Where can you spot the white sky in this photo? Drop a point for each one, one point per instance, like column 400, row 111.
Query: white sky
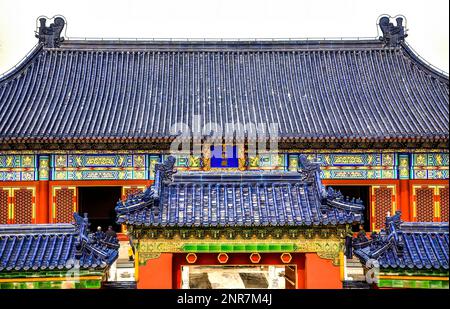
column 427, row 21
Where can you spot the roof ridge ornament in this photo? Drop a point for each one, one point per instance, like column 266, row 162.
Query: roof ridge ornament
column 388, row 238
column 166, row 169
column 50, row 36
column 308, row 170
column 99, row 245
column 392, row 35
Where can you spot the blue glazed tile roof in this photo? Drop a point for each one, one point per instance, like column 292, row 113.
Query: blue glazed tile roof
column 239, row 199
column 409, row 245
column 314, row 90
column 54, row 247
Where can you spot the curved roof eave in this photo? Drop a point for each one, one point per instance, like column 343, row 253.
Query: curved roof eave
column 435, row 72
column 22, row 64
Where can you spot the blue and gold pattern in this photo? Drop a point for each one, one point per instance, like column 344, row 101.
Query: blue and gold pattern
column 18, row 167
column 99, row 166
column 268, row 162
column 430, row 166
column 352, row 165
column 44, row 167
column 185, row 162
column 117, row 166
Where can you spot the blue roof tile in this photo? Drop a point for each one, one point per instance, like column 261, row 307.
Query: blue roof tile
column 313, row 90
column 193, row 199
column 411, row 245
column 54, row 246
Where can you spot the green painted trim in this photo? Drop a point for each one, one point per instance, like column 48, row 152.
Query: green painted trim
column 84, row 284
column 413, row 284
column 45, row 274
column 415, row 272
column 238, row 247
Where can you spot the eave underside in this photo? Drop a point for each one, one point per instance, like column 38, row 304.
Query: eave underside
column 164, row 144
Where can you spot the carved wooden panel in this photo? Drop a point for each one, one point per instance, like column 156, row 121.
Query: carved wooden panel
column 425, row 204
column 64, row 204
column 4, row 206
column 383, row 202
column 444, row 203
column 23, row 201
column 127, row 190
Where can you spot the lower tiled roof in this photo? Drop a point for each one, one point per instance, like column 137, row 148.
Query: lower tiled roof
column 409, row 245
column 240, row 199
column 54, row 247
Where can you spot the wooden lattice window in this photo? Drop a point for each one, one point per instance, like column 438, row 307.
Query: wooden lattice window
column 430, row 203
column 23, row 202
column 127, row 190
column 424, row 204
column 4, row 206
column 444, row 203
column 131, row 190
column 64, row 204
column 383, row 202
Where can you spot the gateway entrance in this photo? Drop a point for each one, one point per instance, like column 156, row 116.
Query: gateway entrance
column 99, row 203
column 236, row 277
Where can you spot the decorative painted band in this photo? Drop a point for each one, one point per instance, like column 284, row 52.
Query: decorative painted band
column 137, row 165
column 236, row 247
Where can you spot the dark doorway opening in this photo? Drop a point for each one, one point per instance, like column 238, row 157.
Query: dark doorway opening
column 99, row 204
column 362, row 192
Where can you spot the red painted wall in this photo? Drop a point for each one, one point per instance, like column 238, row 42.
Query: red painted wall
column 157, row 273
column 321, row 273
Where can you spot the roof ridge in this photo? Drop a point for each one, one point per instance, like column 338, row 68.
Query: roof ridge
column 20, row 229
column 221, row 45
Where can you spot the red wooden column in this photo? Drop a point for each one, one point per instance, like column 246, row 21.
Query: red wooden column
column 404, row 200
column 42, row 206
column 321, row 273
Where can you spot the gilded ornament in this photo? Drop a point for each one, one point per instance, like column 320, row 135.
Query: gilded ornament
column 27, row 161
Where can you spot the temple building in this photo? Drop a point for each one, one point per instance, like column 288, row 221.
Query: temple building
column 84, row 123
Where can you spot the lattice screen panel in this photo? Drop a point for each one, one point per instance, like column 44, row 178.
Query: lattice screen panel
column 127, row 190
column 425, row 204
column 4, row 194
column 382, row 203
column 64, row 205
column 131, row 190
column 23, row 206
column 444, row 201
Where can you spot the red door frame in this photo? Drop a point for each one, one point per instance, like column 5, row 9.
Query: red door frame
column 89, row 183
column 37, row 197
column 423, row 182
column 238, row 259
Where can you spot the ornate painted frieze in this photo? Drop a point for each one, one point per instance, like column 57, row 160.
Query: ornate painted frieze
column 404, row 166
column 152, row 160
column 18, row 167
column 44, row 167
column 268, row 162
column 77, row 165
column 430, row 166
column 184, row 162
column 99, row 166
column 326, row 248
column 352, row 165
column 326, row 242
